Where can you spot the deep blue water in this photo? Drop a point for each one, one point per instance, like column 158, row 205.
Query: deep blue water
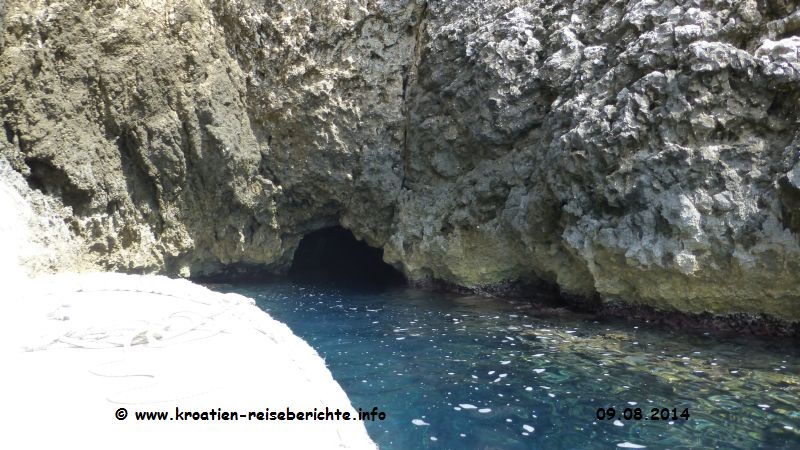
column 466, row 372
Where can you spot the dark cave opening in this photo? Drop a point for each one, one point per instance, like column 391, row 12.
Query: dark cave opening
column 334, row 256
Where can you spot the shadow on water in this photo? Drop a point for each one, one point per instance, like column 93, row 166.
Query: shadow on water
column 455, row 371
column 467, row 371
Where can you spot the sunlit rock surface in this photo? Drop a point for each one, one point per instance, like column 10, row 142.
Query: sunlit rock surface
column 641, row 151
column 78, row 347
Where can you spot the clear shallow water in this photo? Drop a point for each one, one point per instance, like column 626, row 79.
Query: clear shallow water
column 536, row 381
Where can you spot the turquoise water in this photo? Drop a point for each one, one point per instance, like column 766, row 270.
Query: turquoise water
column 466, row 372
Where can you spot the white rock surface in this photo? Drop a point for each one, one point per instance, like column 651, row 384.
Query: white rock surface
column 76, row 348
column 12, row 230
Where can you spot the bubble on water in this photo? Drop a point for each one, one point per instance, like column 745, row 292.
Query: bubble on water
column 419, row 422
column 505, row 362
column 539, row 370
column 618, row 423
column 434, row 439
column 528, row 388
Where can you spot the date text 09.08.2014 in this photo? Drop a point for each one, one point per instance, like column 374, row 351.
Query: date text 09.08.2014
column 638, row 414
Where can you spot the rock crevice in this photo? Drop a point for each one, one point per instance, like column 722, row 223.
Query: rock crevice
column 637, row 151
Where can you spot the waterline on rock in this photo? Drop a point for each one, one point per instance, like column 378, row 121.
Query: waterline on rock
column 466, row 370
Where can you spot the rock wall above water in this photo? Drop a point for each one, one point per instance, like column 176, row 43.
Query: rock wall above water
column 639, row 151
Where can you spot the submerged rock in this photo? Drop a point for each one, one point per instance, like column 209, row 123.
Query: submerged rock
column 643, row 152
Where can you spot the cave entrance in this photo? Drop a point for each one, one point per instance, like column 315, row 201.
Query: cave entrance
column 334, row 256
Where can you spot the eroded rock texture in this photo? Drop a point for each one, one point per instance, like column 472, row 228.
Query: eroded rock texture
column 644, row 151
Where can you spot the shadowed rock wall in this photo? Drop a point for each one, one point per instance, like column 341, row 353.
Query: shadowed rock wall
column 639, row 151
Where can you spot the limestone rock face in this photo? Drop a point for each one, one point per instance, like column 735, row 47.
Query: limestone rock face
column 642, row 151
column 95, row 342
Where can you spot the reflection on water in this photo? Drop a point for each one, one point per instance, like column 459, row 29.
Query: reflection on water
column 469, row 372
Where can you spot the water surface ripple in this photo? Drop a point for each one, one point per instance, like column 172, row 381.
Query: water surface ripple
column 466, row 372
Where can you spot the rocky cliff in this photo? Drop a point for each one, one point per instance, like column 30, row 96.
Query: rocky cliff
column 639, row 151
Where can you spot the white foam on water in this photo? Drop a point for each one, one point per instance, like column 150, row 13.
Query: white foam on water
column 629, row 445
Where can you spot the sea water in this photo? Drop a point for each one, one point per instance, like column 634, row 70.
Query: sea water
column 469, row 372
